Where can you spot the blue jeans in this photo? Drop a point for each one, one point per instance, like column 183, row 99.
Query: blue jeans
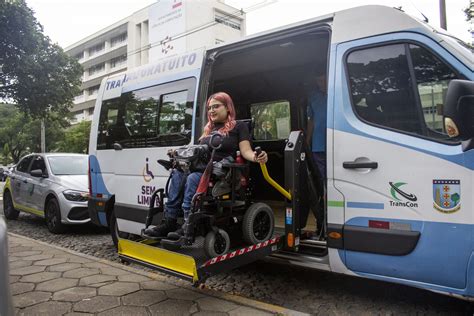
column 180, row 193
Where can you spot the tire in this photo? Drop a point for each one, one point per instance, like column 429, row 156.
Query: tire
column 114, row 231
column 216, row 244
column 52, row 214
column 8, row 208
column 258, row 223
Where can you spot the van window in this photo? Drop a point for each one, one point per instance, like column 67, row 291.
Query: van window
column 151, row 117
column 272, row 120
column 383, row 93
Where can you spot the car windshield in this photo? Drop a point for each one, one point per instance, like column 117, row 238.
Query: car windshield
column 68, row 165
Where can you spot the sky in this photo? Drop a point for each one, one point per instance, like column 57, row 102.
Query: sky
column 68, row 21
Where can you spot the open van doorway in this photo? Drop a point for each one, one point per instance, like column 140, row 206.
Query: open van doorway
column 271, row 80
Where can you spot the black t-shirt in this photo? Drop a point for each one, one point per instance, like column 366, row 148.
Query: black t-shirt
column 230, row 143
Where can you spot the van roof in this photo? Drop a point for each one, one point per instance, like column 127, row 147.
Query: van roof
column 383, row 20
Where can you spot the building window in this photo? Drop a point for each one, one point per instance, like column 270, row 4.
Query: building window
column 227, row 20
column 79, row 56
column 96, row 69
column 93, row 90
column 118, row 61
column 96, row 49
column 118, row 39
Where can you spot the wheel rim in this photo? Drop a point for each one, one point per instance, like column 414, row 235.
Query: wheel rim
column 261, row 225
column 220, row 244
column 52, row 218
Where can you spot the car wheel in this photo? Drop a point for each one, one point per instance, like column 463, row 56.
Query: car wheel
column 115, row 232
column 258, row 223
column 52, row 215
column 8, row 208
column 216, row 243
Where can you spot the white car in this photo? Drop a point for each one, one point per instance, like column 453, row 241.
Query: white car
column 51, row 185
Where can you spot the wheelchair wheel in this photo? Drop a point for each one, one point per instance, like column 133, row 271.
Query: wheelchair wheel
column 216, row 243
column 258, row 223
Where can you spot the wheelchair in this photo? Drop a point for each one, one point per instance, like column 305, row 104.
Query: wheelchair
column 222, row 211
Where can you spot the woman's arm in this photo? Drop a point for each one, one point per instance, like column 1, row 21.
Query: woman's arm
column 247, row 152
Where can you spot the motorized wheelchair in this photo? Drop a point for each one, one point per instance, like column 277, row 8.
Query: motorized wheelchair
column 222, row 211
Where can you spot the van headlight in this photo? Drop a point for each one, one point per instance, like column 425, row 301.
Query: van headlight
column 76, row 196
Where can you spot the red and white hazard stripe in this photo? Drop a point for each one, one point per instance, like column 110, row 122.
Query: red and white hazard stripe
column 241, row 251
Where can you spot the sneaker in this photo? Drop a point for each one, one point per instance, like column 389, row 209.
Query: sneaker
column 167, row 226
column 176, row 234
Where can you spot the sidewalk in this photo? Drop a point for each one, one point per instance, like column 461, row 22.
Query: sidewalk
column 48, row 280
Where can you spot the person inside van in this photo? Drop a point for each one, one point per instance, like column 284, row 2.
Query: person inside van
column 221, row 119
column 316, row 128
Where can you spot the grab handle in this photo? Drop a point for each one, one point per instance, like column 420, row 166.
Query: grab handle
column 269, row 179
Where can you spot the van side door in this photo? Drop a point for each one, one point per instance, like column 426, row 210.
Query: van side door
column 407, row 190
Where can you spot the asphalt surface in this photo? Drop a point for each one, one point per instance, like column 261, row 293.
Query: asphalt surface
column 309, row 291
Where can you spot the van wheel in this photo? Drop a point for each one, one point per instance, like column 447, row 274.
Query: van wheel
column 258, row 223
column 52, row 214
column 115, row 232
column 216, row 243
column 8, row 208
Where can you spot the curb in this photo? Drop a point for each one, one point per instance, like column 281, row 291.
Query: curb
column 225, row 296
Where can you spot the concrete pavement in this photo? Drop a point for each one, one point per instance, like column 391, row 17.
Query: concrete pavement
column 48, row 280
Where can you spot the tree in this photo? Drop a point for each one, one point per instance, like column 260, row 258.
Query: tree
column 455, row 198
column 20, row 133
column 36, row 75
column 76, row 138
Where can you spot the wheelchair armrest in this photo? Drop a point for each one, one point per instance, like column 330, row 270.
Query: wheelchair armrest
column 165, row 163
column 235, row 165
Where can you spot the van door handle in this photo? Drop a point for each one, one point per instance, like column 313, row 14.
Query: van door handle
column 117, row 146
column 360, row 164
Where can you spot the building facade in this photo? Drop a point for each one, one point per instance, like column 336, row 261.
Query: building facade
column 163, row 29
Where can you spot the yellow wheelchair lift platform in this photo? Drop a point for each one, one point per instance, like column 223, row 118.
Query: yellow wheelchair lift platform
column 190, row 262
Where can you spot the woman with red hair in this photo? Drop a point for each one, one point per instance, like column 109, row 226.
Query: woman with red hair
column 221, row 119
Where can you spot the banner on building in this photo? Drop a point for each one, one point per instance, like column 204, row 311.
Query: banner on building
column 167, row 24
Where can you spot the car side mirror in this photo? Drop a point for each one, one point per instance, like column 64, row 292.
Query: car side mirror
column 38, row 173
column 458, row 112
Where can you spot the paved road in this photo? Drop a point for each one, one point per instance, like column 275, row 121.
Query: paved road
column 295, row 288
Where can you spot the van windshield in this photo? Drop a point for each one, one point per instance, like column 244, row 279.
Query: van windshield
column 68, row 165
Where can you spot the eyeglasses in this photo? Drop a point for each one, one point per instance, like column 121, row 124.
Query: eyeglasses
column 214, row 106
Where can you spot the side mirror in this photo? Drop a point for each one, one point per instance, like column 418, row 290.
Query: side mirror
column 37, row 173
column 458, row 111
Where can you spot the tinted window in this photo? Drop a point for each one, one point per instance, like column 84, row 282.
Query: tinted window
column 151, row 117
column 271, row 120
column 432, row 79
column 24, row 164
column 399, row 86
column 38, row 164
column 68, row 165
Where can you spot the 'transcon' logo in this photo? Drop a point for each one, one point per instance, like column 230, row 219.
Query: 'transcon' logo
column 395, row 191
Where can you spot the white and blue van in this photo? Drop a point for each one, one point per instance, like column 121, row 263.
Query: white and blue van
column 398, row 204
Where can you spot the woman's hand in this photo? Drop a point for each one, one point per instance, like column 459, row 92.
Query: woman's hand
column 262, row 158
